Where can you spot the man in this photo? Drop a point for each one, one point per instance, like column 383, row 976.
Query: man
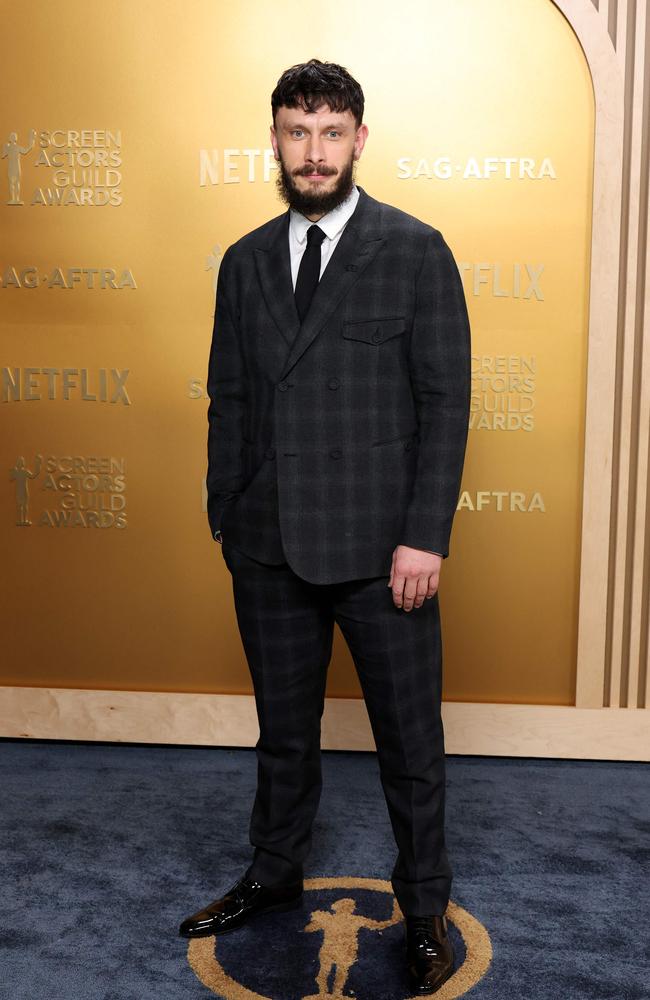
column 339, row 380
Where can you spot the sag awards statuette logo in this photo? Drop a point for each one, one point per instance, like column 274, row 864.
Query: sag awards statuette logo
column 71, row 167
column 213, row 263
column 73, row 491
column 334, row 922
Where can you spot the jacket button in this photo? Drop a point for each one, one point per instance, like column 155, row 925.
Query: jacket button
column 283, row 386
column 333, row 383
column 270, row 452
column 376, row 337
column 408, row 445
column 335, row 453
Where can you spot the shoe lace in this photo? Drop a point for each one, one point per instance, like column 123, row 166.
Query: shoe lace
column 242, row 887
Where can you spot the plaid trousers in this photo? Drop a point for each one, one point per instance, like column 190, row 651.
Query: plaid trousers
column 286, row 625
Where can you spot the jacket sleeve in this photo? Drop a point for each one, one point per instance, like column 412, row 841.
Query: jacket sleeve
column 226, row 387
column 440, row 371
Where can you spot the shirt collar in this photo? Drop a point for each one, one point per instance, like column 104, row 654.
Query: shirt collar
column 332, row 223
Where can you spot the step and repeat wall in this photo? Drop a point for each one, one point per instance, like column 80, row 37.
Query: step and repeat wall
column 134, row 150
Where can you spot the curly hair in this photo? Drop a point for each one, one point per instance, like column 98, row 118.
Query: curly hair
column 310, row 84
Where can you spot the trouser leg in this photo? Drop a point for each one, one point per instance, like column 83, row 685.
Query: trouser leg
column 398, row 657
column 286, row 626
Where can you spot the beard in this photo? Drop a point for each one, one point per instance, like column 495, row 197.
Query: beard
column 315, row 202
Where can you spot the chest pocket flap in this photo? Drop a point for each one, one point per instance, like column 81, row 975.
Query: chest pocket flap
column 375, row 331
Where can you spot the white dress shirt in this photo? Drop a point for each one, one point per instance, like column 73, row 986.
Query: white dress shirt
column 332, row 224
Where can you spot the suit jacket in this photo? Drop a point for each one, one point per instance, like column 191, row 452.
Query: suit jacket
column 331, row 442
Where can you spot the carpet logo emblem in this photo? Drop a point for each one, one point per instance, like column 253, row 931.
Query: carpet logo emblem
column 337, row 926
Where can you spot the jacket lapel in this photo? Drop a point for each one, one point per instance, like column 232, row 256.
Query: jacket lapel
column 358, row 245
column 274, row 271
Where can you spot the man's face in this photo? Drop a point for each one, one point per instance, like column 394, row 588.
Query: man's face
column 316, row 152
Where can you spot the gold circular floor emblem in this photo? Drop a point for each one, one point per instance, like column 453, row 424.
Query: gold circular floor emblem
column 340, row 925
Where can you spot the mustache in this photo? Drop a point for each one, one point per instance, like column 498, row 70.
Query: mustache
column 306, row 171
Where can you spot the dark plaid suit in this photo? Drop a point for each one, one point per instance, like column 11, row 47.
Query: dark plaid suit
column 330, row 443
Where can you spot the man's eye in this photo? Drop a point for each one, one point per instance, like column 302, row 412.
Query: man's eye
column 296, row 130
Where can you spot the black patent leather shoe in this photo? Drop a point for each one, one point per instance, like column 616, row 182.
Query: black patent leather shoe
column 430, row 956
column 246, row 899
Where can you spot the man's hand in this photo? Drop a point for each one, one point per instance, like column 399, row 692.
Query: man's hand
column 414, row 575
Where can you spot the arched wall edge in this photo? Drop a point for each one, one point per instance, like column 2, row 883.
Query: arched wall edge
column 591, row 29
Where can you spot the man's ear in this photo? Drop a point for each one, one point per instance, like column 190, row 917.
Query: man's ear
column 360, row 140
column 274, row 141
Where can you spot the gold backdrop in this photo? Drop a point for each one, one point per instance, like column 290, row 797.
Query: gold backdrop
column 136, row 148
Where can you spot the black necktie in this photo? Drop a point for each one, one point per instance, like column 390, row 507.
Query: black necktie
column 309, row 271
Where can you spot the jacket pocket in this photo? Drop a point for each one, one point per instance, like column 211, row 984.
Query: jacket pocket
column 405, row 438
column 375, row 331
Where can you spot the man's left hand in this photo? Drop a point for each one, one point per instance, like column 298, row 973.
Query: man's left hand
column 414, row 576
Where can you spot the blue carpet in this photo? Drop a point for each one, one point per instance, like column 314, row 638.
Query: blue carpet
column 105, row 848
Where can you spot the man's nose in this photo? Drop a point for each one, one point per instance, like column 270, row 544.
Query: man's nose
column 315, row 152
